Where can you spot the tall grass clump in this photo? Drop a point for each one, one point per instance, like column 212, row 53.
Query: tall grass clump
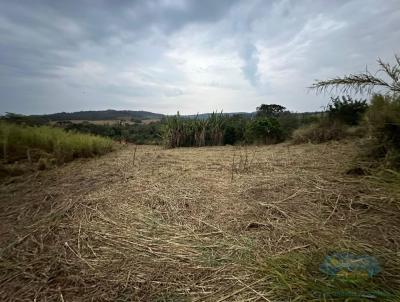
column 188, row 132
column 320, row 132
column 32, row 143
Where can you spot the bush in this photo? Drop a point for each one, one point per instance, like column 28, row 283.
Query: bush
column 320, row 132
column 33, row 143
column 264, row 130
column 235, row 127
column 335, row 125
column 289, row 122
column 230, row 135
column 347, row 110
column 383, row 121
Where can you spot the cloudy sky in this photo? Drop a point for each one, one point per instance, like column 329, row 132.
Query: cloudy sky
column 193, row 56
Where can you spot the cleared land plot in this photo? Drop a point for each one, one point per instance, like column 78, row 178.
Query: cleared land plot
column 194, row 224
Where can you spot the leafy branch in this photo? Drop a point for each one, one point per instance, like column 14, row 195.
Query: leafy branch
column 364, row 82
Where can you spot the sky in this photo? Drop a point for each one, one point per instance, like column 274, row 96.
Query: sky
column 187, row 55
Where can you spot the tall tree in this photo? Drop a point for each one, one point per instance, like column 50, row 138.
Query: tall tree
column 272, row 110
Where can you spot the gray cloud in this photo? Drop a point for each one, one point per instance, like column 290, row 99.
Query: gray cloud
column 250, row 69
column 169, row 55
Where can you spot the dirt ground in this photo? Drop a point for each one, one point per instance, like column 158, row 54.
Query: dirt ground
column 191, row 224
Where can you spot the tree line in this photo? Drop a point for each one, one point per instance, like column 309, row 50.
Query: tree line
column 270, row 124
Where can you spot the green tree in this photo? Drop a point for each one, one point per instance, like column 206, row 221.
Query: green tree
column 272, row 110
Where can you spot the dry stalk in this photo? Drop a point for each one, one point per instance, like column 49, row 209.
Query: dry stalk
column 85, row 231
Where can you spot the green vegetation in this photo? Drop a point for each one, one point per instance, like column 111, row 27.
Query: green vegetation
column 265, row 130
column 235, row 127
column 382, row 118
column 320, row 132
column 347, row 110
column 46, row 144
column 272, row 110
column 339, row 122
column 138, row 133
column 133, row 130
column 296, row 277
column 219, row 129
column 185, row 132
column 383, row 122
column 269, row 125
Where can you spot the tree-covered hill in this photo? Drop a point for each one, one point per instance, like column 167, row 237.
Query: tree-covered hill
column 102, row 115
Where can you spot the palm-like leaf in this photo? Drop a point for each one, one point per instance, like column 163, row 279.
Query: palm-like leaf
column 365, row 82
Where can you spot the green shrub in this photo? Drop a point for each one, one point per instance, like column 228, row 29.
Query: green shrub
column 383, row 122
column 289, row 122
column 347, row 110
column 266, row 130
column 230, row 135
column 235, row 127
column 32, row 143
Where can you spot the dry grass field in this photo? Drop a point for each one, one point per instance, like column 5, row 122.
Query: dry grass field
column 195, row 224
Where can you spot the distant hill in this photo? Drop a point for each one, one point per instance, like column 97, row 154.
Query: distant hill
column 101, row 115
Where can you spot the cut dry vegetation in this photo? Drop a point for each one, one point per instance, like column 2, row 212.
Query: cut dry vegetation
column 196, row 224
